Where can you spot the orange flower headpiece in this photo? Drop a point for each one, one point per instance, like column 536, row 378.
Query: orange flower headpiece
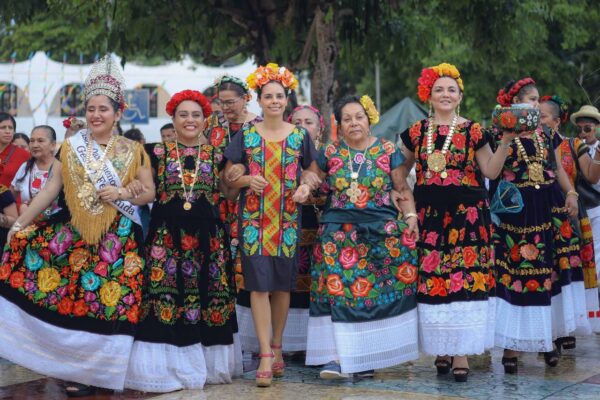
column 507, row 93
column 432, row 74
column 192, row 95
column 271, row 72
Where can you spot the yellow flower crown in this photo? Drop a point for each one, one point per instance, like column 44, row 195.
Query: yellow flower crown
column 271, row 72
column 370, row 109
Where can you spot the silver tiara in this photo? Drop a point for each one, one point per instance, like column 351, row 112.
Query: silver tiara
column 105, row 78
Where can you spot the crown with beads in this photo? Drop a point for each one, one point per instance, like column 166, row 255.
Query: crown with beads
column 105, row 78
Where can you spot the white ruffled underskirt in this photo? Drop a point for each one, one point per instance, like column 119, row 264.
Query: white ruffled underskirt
column 363, row 346
column 160, row 367
column 458, row 328
column 294, row 334
column 70, row 355
column 576, row 308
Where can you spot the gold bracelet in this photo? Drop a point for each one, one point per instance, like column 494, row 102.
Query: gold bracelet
column 574, row 193
column 409, row 215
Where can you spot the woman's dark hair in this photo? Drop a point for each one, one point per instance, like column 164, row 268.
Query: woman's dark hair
column 114, row 104
column 555, row 108
column 20, row 135
column 522, row 92
column 167, row 126
column 4, row 116
column 51, row 135
column 234, row 87
column 259, row 89
column 348, row 99
column 134, row 134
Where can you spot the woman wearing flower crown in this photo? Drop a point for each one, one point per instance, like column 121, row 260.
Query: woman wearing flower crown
column 536, row 252
column 452, row 155
column 362, row 306
column 579, row 167
column 234, row 95
column 71, row 288
column 294, row 335
column 275, row 152
column 185, row 335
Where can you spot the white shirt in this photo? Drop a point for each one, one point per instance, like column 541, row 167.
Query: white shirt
column 594, row 212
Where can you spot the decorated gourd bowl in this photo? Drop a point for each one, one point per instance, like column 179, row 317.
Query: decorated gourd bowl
column 518, row 118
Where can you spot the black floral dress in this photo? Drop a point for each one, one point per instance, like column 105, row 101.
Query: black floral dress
column 455, row 254
column 537, row 255
column 188, row 315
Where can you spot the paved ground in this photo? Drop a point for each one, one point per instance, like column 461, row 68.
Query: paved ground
column 576, row 377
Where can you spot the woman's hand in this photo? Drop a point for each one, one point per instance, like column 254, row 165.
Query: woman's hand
column 571, row 205
column 412, row 229
column 257, row 184
column 136, row 188
column 301, row 194
column 396, row 199
column 108, row 194
column 310, row 178
column 235, row 172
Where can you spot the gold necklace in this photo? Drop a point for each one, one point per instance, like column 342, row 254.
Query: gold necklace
column 93, row 166
column 535, row 169
column 353, row 191
column 436, row 161
column 187, row 195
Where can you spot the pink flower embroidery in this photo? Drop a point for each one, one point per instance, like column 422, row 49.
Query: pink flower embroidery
column 456, row 282
column 431, row 261
column 517, row 286
column 431, row 238
column 472, row 214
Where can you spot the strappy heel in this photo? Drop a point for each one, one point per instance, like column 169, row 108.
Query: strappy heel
column 278, row 366
column 442, row 365
column 264, row 378
column 551, row 358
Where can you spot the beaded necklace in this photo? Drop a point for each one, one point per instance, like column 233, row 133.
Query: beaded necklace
column 436, row 161
column 187, row 195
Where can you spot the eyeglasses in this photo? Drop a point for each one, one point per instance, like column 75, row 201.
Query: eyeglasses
column 585, row 128
column 229, row 103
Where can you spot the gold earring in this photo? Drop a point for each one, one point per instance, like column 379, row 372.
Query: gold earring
column 458, row 111
column 430, row 114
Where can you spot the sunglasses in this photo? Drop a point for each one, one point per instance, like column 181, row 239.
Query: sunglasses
column 585, row 129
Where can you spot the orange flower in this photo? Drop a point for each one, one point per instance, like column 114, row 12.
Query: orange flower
column 133, row 314
column 508, row 119
column 361, row 287
column 80, row 309
column 330, row 248
column 335, row 287
column 156, row 274
column 532, row 285
column 407, row 273
column 166, row 314
column 529, row 251
column 391, row 242
column 514, row 253
column 563, row 262
column 478, row 281
column 438, row 288
column 565, row 230
column 16, row 279
column 4, row 271
column 65, row 306
column 453, row 236
column 79, row 259
column 469, row 256
column 252, row 202
column 506, row 279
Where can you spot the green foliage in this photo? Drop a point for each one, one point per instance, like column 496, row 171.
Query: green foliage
column 555, row 41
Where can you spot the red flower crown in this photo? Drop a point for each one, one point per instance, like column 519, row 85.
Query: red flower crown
column 504, row 97
column 192, row 95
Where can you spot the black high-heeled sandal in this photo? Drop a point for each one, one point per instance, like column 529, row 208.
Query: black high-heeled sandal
column 74, row 389
column 567, row 343
column 460, row 374
column 510, row 364
column 442, row 365
column 551, row 358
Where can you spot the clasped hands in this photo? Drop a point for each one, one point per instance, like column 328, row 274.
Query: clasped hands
column 111, row 193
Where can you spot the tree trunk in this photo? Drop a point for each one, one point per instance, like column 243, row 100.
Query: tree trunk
column 322, row 82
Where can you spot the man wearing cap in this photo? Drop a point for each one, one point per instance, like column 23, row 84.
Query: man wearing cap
column 587, row 120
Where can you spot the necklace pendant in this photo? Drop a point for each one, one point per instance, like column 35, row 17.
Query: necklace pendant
column 187, row 206
column 444, row 174
column 536, row 172
column 436, row 161
column 428, row 174
column 354, row 175
column 537, row 186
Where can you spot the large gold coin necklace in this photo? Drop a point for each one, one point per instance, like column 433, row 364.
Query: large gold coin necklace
column 94, row 169
column 187, row 194
column 353, row 191
column 436, row 160
column 535, row 169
